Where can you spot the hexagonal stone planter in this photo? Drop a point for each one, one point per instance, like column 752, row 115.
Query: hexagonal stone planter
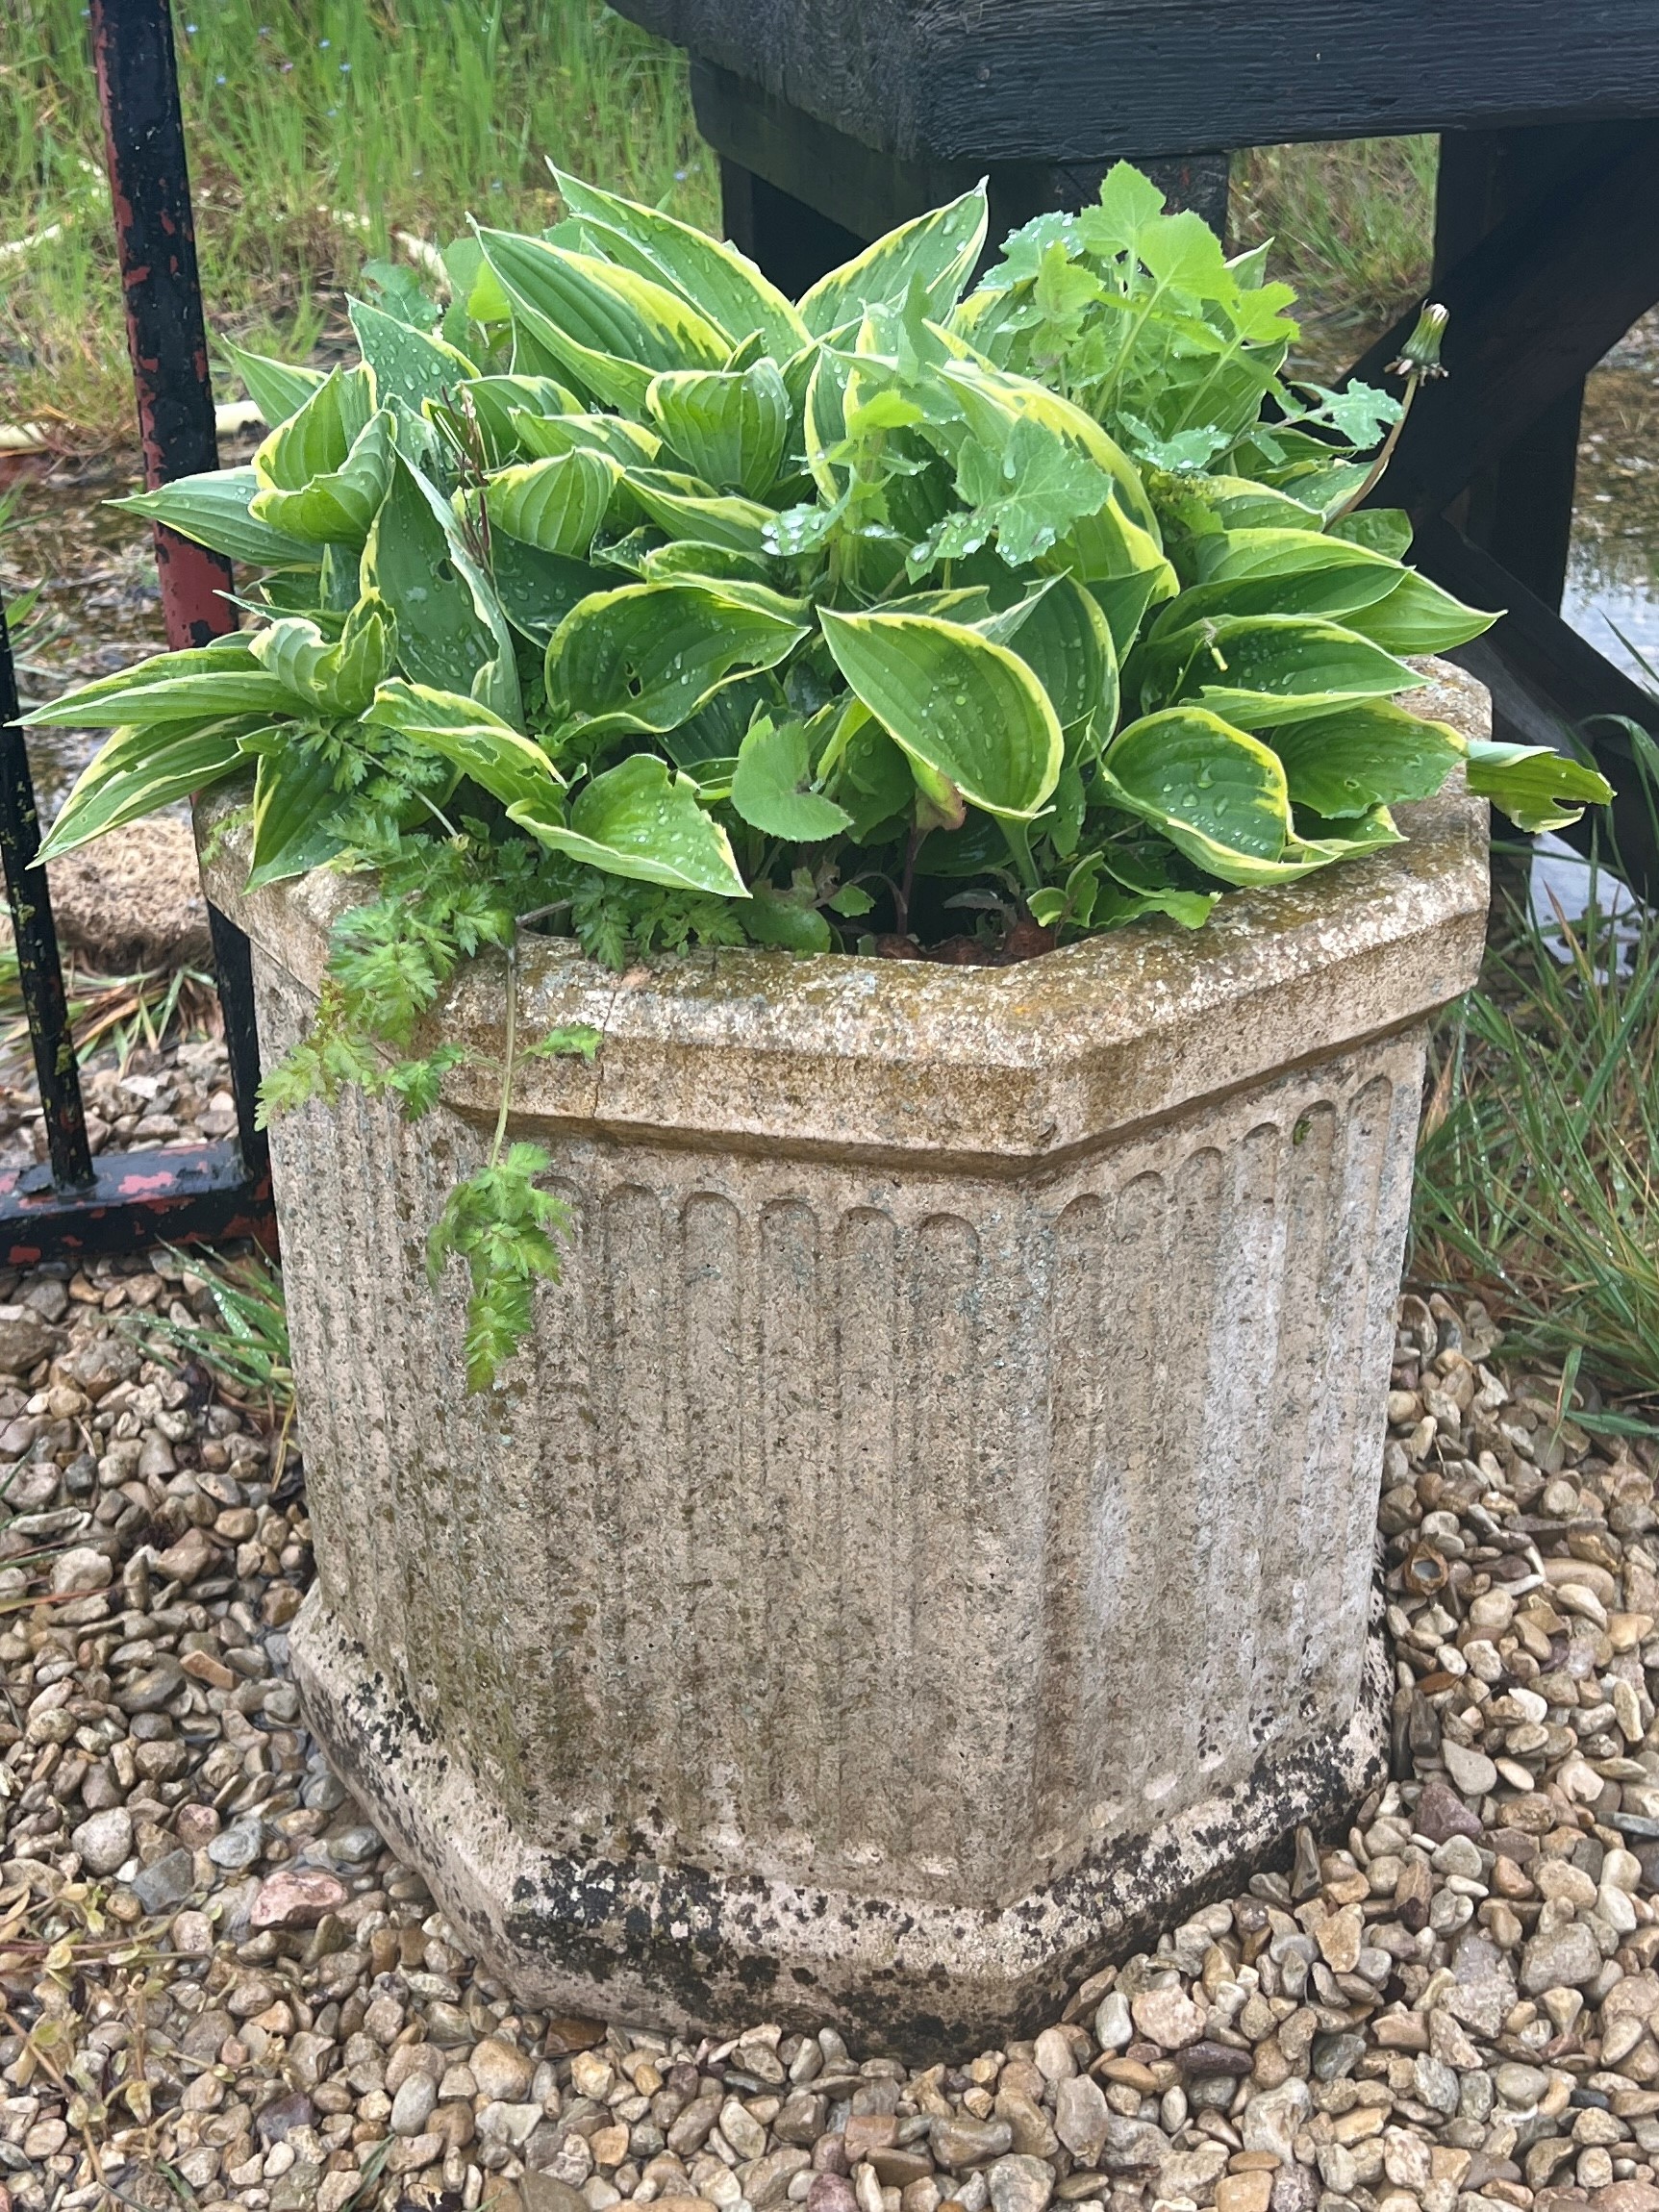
column 930, row 1536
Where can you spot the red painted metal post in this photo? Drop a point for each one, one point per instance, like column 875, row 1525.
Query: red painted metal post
column 155, row 236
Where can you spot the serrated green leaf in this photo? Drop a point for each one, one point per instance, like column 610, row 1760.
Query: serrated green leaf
column 555, row 505
column 962, row 708
column 940, row 248
column 511, row 767
column 648, row 656
column 729, row 429
column 1536, row 787
column 772, row 786
column 1383, row 529
column 637, row 820
column 1030, row 493
column 211, row 510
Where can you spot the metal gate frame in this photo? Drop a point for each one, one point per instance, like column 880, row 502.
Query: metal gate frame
column 122, row 1201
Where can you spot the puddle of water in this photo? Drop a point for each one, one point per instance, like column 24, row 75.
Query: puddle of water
column 1612, row 595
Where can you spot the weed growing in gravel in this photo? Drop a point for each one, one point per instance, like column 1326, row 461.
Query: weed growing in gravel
column 245, row 1343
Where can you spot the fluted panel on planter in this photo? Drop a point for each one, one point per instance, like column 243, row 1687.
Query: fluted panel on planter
column 825, row 1496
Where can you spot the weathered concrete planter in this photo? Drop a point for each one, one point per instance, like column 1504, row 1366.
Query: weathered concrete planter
column 932, row 1534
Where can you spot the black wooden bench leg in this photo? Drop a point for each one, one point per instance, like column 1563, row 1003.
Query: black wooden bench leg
column 792, row 242
column 1520, row 510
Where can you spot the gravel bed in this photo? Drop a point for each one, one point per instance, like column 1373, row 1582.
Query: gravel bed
column 219, row 1986
column 161, row 1096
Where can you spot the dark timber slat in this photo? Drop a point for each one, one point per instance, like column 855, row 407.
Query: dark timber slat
column 808, row 168
column 1084, row 80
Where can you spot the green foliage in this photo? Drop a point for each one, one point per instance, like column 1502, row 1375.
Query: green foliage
column 624, row 588
column 1536, row 1178
column 504, row 1226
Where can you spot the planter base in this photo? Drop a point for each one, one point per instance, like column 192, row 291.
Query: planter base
column 682, row 1947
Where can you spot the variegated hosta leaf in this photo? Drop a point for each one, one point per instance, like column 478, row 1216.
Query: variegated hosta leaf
column 336, row 506
column 211, row 510
column 680, row 504
column 203, row 683
column 332, row 678
column 556, row 505
column 1218, row 794
column 410, row 365
column 638, row 820
column 545, row 436
column 1536, row 787
column 940, row 248
column 729, row 428
column 141, row 770
column 968, row 713
column 494, row 401
column 648, row 656
column 315, row 439
column 1370, row 754
column 1258, row 670
column 712, row 277
column 511, row 767
column 451, row 632
column 294, row 797
column 609, row 328
column 278, row 388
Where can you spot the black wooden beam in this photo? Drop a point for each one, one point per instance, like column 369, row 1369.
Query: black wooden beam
column 1534, row 307
column 1073, row 81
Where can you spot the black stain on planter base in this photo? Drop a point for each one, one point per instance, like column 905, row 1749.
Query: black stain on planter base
column 716, row 1948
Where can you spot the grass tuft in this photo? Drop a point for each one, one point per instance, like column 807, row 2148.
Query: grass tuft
column 316, row 129
column 1538, row 1167
column 1352, row 229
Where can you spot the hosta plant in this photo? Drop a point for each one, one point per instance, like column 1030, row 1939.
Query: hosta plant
column 628, row 599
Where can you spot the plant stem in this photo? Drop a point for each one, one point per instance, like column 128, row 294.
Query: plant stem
column 901, row 900
column 1385, row 455
column 1018, row 838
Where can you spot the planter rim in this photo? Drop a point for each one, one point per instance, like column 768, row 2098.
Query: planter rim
column 910, row 1061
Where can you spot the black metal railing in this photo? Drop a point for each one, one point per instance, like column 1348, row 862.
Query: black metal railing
column 71, row 1202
